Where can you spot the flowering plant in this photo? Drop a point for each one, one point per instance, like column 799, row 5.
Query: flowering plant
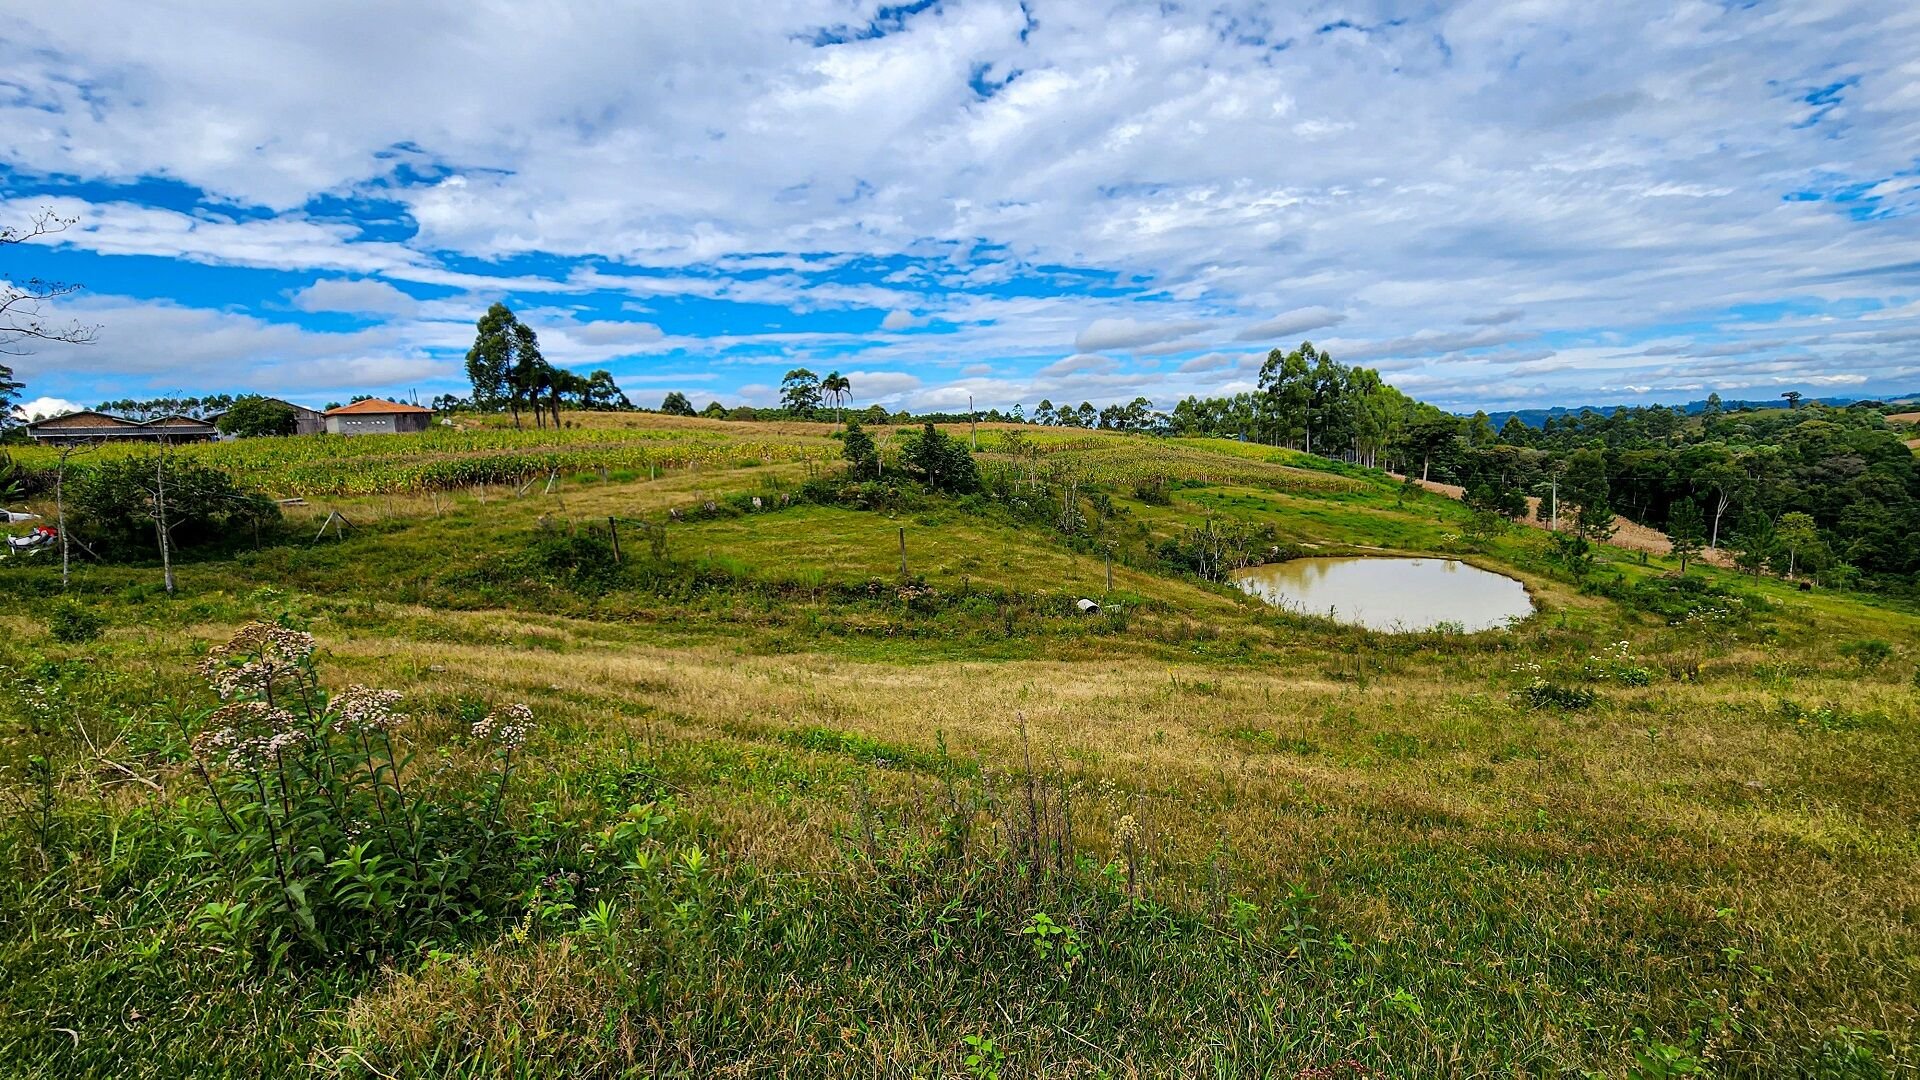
column 336, row 849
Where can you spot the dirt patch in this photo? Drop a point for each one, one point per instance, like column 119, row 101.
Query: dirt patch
column 1627, row 534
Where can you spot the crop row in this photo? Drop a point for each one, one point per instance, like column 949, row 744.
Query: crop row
column 435, row 461
column 1116, row 460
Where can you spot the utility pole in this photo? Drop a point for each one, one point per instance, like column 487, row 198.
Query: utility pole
column 903, row 553
column 973, row 423
column 1553, row 502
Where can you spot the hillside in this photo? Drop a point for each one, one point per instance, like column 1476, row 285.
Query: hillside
column 782, row 803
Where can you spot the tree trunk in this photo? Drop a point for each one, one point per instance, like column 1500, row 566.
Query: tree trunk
column 160, row 520
column 60, row 515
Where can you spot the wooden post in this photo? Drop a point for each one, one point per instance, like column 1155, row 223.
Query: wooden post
column 1109, row 572
column 903, row 551
column 613, row 528
column 973, row 423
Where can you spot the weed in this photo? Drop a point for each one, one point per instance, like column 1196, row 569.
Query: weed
column 72, row 623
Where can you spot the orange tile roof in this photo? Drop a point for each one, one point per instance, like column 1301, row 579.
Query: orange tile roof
column 375, row 405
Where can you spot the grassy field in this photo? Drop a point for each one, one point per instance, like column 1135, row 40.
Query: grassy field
column 786, row 813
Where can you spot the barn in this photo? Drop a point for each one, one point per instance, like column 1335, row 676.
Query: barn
column 88, row 426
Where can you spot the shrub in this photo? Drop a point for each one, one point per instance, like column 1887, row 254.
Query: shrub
column 940, row 461
column 1153, row 491
column 1869, row 653
column 74, row 624
column 863, row 458
column 116, row 503
column 333, row 848
column 584, row 563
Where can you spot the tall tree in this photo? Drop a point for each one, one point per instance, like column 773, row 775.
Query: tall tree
column 838, row 387
column 800, row 392
column 676, row 404
column 532, row 375
column 603, row 393
column 1585, row 487
column 1687, row 531
column 1797, row 533
column 1287, row 381
column 490, row 362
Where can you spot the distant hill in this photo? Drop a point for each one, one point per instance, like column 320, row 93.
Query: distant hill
column 1539, row 417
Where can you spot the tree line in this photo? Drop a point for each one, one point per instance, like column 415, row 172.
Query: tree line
column 508, row 371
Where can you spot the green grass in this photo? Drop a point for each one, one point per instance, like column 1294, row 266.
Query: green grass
column 1344, row 846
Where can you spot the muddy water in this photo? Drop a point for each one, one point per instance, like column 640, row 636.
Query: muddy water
column 1391, row 594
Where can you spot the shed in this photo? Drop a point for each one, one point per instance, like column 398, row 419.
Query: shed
column 376, row 416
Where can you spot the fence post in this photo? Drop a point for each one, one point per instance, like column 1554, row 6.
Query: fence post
column 903, row 551
column 613, row 528
column 1109, row 572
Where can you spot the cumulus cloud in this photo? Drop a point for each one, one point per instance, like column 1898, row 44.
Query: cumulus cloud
column 42, row 407
column 1624, row 175
column 355, row 296
column 152, row 347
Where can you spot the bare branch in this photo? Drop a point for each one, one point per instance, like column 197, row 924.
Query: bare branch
column 22, row 320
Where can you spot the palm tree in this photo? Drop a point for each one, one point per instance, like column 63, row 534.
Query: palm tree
column 839, row 388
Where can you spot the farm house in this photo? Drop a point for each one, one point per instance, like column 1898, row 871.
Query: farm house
column 375, row 416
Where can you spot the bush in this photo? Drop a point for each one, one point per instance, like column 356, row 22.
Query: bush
column 1869, row 653
column 73, row 624
column 114, row 505
column 941, row 462
column 584, row 563
column 1153, row 492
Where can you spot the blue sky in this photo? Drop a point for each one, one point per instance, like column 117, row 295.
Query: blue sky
column 1495, row 204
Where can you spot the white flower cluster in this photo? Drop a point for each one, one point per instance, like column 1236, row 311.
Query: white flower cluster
column 246, row 735
column 360, row 710
column 257, row 656
column 509, row 726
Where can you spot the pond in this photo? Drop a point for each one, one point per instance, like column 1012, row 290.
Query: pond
column 1391, row 594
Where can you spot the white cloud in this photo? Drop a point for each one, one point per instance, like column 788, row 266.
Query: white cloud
column 360, row 296
column 1133, row 333
column 615, row 333
column 149, row 348
column 1286, row 324
column 1634, row 170
column 42, row 407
